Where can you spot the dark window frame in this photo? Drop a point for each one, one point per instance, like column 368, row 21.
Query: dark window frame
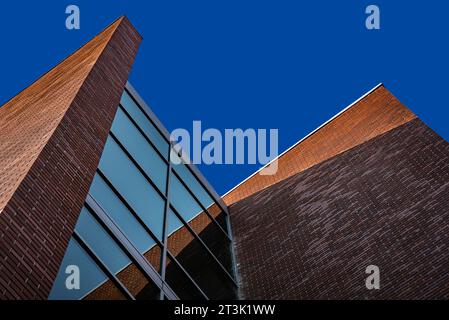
column 126, row 245
column 166, row 199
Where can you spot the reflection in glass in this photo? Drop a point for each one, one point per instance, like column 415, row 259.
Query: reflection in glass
column 180, row 283
column 200, row 222
column 100, row 242
column 113, row 257
column 142, row 152
column 200, row 192
column 182, row 200
column 91, row 276
column 124, row 193
column 137, row 283
column 199, row 264
column 126, row 222
column 144, row 123
column 194, row 185
column 133, row 186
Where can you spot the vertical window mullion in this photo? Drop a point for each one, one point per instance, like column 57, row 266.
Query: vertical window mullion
column 130, row 91
column 197, row 237
column 165, row 222
column 200, row 204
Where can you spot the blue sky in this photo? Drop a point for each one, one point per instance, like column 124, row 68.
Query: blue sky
column 289, row 65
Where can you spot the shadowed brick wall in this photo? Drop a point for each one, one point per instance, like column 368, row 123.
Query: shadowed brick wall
column 384, row 202
column 51, row 137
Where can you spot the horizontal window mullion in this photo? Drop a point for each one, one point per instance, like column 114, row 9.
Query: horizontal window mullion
column 151, row 275
column 170, row 145
column 102, row 266
column 128, row 206
column 148, row 116
column 201, row 205
column 197, row 237
column 137, row 165
column 194, row 174
column 186, row 273
column 145, row 135
column 207, row 190
column 139, row 108
column 147, row 229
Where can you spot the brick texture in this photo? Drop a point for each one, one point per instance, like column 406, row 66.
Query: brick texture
column 51, row 137
column 384, row 202
column 377, row 113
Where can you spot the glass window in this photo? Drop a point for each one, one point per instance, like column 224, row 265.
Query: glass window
column 180, row 283
column 100, row 242
column 133, row 186
column 106, row 291
column 142, row 152
column 138, row 284
column 215, row 239
column 91, row 276
column 118, row 212
column 200, row 192
column 194, row 185
column 198, row 263
column 144, row 123
column 113, row 257
column 183, row 200
column 154, row 256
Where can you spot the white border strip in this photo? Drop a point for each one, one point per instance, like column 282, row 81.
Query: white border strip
column 307, row 136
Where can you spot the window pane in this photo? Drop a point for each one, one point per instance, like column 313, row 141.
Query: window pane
column 200, row 192
column 91, row 276
column 180, row 283
column 192, row 182
column 200, row 222
column 107, row 291
column 118, row 212
column 153, row 256
column 100, row 242
column 138, row 284
column 140, row 149
column 117, row 262
column 182, row 200
column 198, row 263
column 133, row 186
column 142, row 121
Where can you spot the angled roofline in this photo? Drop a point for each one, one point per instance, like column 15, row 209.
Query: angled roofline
column 33, row 82
column 306, row 137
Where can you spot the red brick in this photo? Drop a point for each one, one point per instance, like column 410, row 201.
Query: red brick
column 51, row 138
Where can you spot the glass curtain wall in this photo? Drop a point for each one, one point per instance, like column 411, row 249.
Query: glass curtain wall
column 149, row 229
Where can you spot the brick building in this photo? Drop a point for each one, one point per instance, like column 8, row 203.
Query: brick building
column 87, row 181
